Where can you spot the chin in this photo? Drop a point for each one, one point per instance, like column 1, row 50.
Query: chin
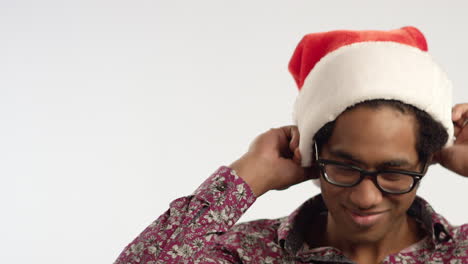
column 364, row 234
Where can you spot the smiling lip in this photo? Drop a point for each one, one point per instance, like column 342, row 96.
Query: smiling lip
column 365, row 219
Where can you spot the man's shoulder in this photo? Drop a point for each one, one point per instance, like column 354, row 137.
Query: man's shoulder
column 460, row 234
column 455, row 248
column 440, row 226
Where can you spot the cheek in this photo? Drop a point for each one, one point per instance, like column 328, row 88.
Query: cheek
column 332, row 195
column 402, row 202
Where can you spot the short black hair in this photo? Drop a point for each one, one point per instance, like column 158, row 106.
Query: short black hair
column 431, row 134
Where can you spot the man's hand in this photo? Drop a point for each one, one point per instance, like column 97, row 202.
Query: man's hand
column 455, row 158
column 273, row 161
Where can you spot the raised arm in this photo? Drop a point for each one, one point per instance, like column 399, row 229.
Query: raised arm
column 187, row 231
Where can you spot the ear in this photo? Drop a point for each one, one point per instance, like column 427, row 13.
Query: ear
column 313, row 172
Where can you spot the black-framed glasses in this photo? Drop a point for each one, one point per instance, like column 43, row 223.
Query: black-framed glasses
column 387, row 181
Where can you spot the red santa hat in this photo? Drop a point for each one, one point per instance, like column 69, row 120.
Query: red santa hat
column 337, row 69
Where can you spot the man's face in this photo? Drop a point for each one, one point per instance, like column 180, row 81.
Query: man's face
column 372, row 139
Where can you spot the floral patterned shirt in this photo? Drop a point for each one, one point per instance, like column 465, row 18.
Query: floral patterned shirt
column 200, row 228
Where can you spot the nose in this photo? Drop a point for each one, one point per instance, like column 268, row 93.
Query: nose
column 365, row 195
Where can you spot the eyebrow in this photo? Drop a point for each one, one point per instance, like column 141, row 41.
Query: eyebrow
column 388, row 163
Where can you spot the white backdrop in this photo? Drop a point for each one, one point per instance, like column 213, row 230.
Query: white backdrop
column 109, row 110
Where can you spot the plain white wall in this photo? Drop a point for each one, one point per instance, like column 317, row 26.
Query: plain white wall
column 109, row 110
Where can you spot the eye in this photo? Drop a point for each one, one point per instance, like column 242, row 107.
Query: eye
column 342, row 170
column 391, row 176
column 346, row 169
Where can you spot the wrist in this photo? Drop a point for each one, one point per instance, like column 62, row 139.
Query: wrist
column 251, row 173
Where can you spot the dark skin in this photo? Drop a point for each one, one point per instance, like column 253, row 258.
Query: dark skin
column 381, row 145
column 273, row 163
column 455, row 158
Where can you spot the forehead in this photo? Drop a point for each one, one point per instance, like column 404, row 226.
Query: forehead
column 375, row 133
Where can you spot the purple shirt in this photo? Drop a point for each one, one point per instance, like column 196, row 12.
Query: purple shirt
column 200, row 228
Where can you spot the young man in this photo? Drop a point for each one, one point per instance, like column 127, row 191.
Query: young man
column 373, row 113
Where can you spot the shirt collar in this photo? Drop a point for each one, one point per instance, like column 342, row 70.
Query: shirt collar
column 291, row 231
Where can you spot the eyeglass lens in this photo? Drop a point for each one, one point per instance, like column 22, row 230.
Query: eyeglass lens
column 346, row 176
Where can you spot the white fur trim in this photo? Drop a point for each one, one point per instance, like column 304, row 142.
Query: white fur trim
column 365, row 71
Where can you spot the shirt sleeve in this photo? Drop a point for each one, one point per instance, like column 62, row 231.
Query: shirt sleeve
column 187, row 230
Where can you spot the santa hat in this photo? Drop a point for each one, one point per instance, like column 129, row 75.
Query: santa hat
column 337, row 69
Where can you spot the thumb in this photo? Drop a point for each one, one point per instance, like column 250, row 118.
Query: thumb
column 290, row 173
column 297, row 156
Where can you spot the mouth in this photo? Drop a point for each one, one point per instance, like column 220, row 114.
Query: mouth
column 365, row 219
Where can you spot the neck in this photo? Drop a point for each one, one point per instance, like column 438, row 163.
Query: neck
column 403, row 233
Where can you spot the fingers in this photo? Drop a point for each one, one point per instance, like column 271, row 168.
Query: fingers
column 290, row 132
column 460, row 114
column 456, row 131
column 297, row 157
column 294, row 143
column 291, row 137
column 454, row 159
